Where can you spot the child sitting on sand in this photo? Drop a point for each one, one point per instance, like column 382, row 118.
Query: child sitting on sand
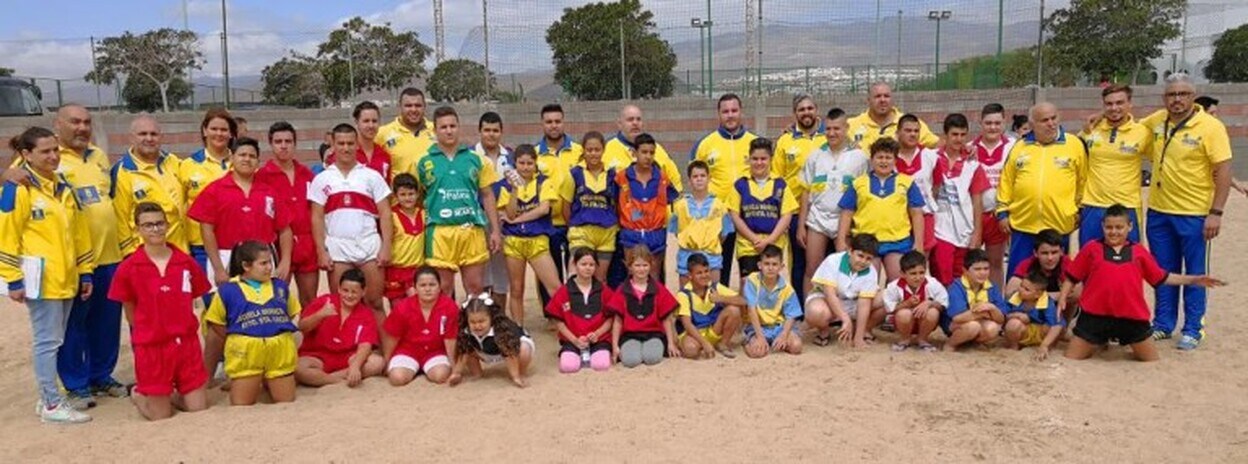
column 579, row 312
column 975, row 305
column 488, row 337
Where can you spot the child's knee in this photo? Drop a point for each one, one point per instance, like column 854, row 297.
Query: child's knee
column 818, row 315
column 1014, row 326
column 903, row 316
column 439, row 374
column 732, row 313
column 600, row 360
column 400, row 377
column 630, row 354
column 652, row 351
column 971, row 329
column 690, row 348
column 795, row 345
column 569, row 362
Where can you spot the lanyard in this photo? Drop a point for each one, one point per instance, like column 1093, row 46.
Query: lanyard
column 1161, row 163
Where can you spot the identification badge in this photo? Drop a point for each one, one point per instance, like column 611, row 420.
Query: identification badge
column 88, row 195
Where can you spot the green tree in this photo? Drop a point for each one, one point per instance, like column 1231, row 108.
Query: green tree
column 295, row 80
column 458, row 80
column 159, row 56
column 374, row 57
column 1230, row 57
column 5, row 72
column 586, row 46
column 1113, row 37
column 143, row 95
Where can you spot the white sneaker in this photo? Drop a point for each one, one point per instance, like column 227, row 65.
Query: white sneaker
column 39, row 407
column 63, row 413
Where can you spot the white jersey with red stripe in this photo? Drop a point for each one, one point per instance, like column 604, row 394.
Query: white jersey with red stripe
column 921, row 168
column 350, row 200
column 992, row 161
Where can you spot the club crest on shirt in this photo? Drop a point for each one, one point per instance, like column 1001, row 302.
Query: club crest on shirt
column 88, row 195
column 712, row 158
column 268, row 207
column 1062, row 162
column 392, row 140
column 1020, row 162
column 1190, row 141
column 1129, row 149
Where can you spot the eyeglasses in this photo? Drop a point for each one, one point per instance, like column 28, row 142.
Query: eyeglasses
column 1174, row 95
column 153, row 226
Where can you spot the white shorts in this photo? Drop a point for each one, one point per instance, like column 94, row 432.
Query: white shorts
column 490, row 359
column 356, row 250
column 827, row 227
column 850, row 306
column 496, row 276
column 400, row 361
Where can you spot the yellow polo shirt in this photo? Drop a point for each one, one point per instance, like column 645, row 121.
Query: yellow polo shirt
column 1115, row 160
column 1183, row 160
column 863, row 131
column 404, row 147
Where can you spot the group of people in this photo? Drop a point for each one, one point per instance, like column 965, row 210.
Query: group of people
column 842, row 225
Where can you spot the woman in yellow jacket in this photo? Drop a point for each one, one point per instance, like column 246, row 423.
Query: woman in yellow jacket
column 45, row 258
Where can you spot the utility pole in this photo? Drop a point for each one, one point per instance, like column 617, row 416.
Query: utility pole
column 760, row 49
column 225, row 55
column 351, row 62
column 485, row 32
column 897, row 73
column 710, row 52
column 1040, row 50
column 1183, row 47
column 938, row 16
column 751, row 55
column 190, row 70
column 1000, row 37
column 99, row 99
column 439, row 32
column 875, row 51
column 623, row 78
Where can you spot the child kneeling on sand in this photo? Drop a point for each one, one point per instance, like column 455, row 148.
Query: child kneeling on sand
column 710, row 312
column 642, row 330
column 580, row 314
column 975, row 305
column 915, row 301
column 1033, row 318
column 339, row 333
column 773, row 308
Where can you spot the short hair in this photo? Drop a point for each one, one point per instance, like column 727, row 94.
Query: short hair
column 247, row 142
column 352, row 275
column 525, row 149
column 835, row 113
column 362, row 107
column 489, row 117
column 644, row 139
column 343, row 128
column 240, row 120
column 406, row 180
column 912, row 259
column 696, row 259
column 1175, row 78
column 992, row 108
column 727, row 97
column 444, row 111
column 1117, row 210
column 412, row 92
column 974, row 257
column 635, row 253
column 1115, row 88
column 697, row 164
column 908, row 118
column 761, row 143
column 551, row 108
column 801, row 97
column 146, row 207
column 580, row 252
column 1206, row 101
column 885, row 145
column 282, row 126
column 1049, row 237
column 772, row 251
column 1036, row 276
column 956, row 121
column 865, row 243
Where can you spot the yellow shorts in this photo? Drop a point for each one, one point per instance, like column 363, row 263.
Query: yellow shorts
column 271, row 357
column 708, row 334
column 1034, row 335
column 451, row 247
column 599, row 239
column 526, row 248
column 745, row 248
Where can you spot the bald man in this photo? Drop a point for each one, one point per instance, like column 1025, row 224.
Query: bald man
column 1042, row 183
column 1191, row 180
column 146, row 173
column 86, row 360
column 619, row 151
column 880, row 120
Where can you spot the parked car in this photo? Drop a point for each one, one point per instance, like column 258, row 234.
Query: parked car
column 19, row 98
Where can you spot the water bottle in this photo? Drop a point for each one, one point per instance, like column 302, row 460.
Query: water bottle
column 584, row 358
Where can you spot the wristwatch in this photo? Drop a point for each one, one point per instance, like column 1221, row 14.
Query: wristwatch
column 1215, row 212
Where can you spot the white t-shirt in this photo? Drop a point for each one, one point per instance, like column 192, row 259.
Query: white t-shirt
column 931, row 290
column 850, row 285
column 350, row 200
column 826, row 176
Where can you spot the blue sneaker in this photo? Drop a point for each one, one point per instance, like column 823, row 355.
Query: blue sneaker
column 1159, row 335
column 1187, row 343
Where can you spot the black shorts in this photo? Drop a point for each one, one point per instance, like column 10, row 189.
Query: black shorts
column 1100, row 330
column 570, row 348
column 748, row 264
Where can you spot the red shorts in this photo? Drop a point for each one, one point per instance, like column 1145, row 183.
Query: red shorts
column 398, row 280
column 331, row 362
column 946, row 262
column 303, row 255
column 929, row 231
column 992, row 231
column 160, row 367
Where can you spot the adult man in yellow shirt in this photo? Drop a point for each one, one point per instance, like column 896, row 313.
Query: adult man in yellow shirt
column 556, row 154
column 146, row 173
column 727, row 152
column 1117, row 146
column 409, row 136
column 1042, row 184
column 792, row 149
column 880, row 120
column 1191, row 179
column 93, row 332
column 618, row 153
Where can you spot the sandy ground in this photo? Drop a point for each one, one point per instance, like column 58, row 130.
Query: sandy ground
column 828, row 403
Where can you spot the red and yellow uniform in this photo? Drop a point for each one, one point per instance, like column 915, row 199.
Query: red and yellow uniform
column 864, row 131
column 163, row 326
column 404, row 146
column 336, row 338
column 728, row 156
column 196, row 172
column 44, row 221
column 134, row 182
column 407, row 253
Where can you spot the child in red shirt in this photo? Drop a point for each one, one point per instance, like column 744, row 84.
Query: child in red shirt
column 643, row 309
column 157, row 286
column 1113, row 304
column 419, row 334
column 579, row 311
column 339, row 334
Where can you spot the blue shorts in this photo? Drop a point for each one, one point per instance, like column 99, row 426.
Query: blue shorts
column 682, row 260
column 655, row 240
column 770, row 332
column 902, row 246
